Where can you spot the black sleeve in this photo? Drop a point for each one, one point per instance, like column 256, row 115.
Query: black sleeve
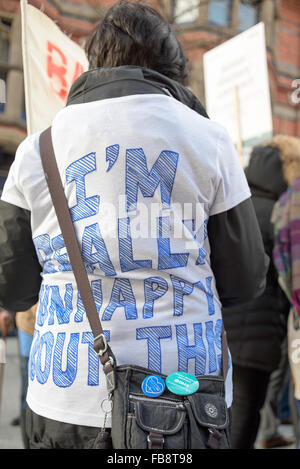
column 20, row 269
column 238, row 258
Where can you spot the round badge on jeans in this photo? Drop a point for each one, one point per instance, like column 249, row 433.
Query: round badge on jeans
column 153, row 386
column 182, row 383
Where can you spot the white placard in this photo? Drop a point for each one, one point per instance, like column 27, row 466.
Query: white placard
column 237, row 88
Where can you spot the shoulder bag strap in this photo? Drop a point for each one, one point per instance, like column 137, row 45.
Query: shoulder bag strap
column 64, row 219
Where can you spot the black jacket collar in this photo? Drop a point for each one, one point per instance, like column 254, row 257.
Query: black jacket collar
column 104, row 83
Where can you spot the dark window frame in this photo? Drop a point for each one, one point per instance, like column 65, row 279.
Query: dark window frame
column 5, row 29
column 255, row 6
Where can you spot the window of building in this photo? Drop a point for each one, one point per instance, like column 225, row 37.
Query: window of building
column 219, row 12
column 4, row 57
column 3, row 75
column 248, row 16
column 4, row 40
column 185, row 11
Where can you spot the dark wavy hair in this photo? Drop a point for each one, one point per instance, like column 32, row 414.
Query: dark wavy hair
column 134, row 33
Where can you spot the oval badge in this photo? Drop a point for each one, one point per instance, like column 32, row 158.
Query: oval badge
column 182, row 383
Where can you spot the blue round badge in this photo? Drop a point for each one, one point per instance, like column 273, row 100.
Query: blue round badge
column 153, row 386
column 182, row 383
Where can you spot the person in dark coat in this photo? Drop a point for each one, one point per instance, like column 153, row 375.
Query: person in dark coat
column 257, row 329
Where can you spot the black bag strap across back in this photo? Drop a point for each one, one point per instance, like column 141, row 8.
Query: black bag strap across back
column 68, row 231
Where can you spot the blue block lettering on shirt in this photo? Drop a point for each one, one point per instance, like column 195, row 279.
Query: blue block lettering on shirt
column 94, row 251
column 58, row 244
column 209, row 294
column 181, row 288
column 154, row 288
column 44, row 358
column 76, row 171
column 33, row 351
column 188, row 351
column 166, row 259
column 112, row 153
column 199, row 237
column 162, row 173
column 42, row 312
column 154, row 335
column 127, row 262
column 65, row 378
column 60, row 309
column 214, row 340
column 44, row 252
column 121, row 297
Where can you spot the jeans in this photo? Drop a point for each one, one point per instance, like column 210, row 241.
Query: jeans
column 249, row 391
column 44, row 433
column 25, row 341
column 270, row 411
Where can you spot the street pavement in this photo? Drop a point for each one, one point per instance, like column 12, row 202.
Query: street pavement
column 10, row 436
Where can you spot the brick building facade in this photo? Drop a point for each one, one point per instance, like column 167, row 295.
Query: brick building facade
column 200, row 26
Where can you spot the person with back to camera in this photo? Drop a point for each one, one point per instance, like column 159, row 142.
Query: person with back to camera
column 257, row 329
column 131, row 134
column 286, row 220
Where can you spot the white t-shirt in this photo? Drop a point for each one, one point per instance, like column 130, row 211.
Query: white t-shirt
column 142, row 174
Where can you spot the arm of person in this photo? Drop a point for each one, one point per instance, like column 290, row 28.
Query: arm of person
column 238, row 259
column 6, row 322
column 20, row 270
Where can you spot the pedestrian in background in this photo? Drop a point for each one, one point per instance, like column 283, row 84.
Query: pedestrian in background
column 270, row 413
column 25, row 321
column 256, row 329
column 6, row 322
column 286, row 219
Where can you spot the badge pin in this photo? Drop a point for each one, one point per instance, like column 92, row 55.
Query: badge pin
column 182, row 383
column 153, row 386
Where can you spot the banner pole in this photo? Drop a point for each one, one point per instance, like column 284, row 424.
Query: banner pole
column 26, row 70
